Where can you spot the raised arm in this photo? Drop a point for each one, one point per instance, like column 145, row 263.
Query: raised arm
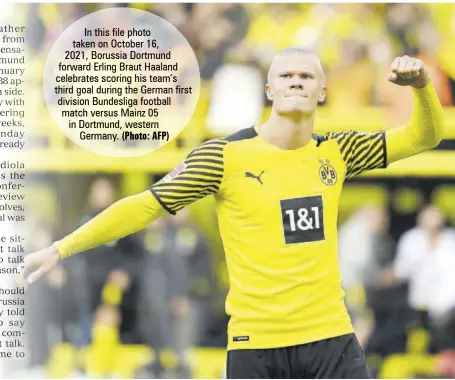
column 199, row 175
column 425, row 130
column 367, row 151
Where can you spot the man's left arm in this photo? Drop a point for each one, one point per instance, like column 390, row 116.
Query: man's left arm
column 425, row 130
column 367, row 151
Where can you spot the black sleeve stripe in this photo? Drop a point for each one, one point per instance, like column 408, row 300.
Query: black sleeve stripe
column 219, row 143
column 201, row 175
column 204, row 160
column 346, row 136
column 358, row 154
column 171, row 200
column 183, row 198
column 379, row 152
column 179, row 205
column 364, row 144
column 361, row 151
column 336, row 135
column 363, row 164
column 217, row 169
column 356, row 159
column 348, row 145
column 188, row 186
column 161, row 202
column 203, row 186
column 189, row 178
column 372, row 146
column 370, row 154
column 206, row 174
column 175, row 198
column 340, row 137
column 384, row 144
column 181, row 191
column 376, row 147
column 359, row 141
column 210, row 187
column 374, row 165
column 205, row 154
column 349, row 139
column 211, row 147
column 363, row 141
column 207, row 150
column 215, row 142
column 372, row 162
column 177, row 184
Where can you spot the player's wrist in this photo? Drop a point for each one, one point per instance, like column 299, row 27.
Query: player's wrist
column 57, row 251
column 421, row 84
column 424, row 91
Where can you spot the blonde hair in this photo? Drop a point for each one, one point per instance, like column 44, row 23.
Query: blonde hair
column 301, row 50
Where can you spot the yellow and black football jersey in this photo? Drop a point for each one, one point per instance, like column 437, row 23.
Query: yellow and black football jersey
column 277, row 211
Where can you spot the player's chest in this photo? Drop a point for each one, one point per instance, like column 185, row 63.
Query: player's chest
column 278, row 177
column 299, row 194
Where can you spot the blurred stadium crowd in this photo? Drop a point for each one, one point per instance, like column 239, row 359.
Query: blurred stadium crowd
column 356, row 43
column 139, row 306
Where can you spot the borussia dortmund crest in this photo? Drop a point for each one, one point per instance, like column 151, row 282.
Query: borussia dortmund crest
column 327, row 173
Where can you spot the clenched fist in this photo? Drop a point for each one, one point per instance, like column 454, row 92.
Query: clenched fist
column 407, row 71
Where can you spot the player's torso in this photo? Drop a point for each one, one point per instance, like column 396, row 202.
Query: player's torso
column 277, row 213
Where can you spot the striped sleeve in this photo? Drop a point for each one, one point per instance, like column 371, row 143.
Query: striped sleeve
column 361, row 151
column 199, row 175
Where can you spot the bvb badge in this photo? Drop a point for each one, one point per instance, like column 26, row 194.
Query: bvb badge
column 327, row 173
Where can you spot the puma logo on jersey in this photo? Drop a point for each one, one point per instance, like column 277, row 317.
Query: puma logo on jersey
column 251, row 175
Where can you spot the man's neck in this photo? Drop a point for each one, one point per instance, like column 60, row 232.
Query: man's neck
column 287, row 133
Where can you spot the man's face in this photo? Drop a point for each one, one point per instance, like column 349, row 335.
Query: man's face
column 296, row 84
column 102, row 194
column 431, row 219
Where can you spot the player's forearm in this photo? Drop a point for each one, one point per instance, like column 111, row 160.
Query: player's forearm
column 424, row 131
column 124, row 217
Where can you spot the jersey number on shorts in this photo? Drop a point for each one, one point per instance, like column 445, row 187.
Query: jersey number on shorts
column 303, row 219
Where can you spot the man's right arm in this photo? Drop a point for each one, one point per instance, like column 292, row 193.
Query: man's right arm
column 199, row 175
column 124, row 217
